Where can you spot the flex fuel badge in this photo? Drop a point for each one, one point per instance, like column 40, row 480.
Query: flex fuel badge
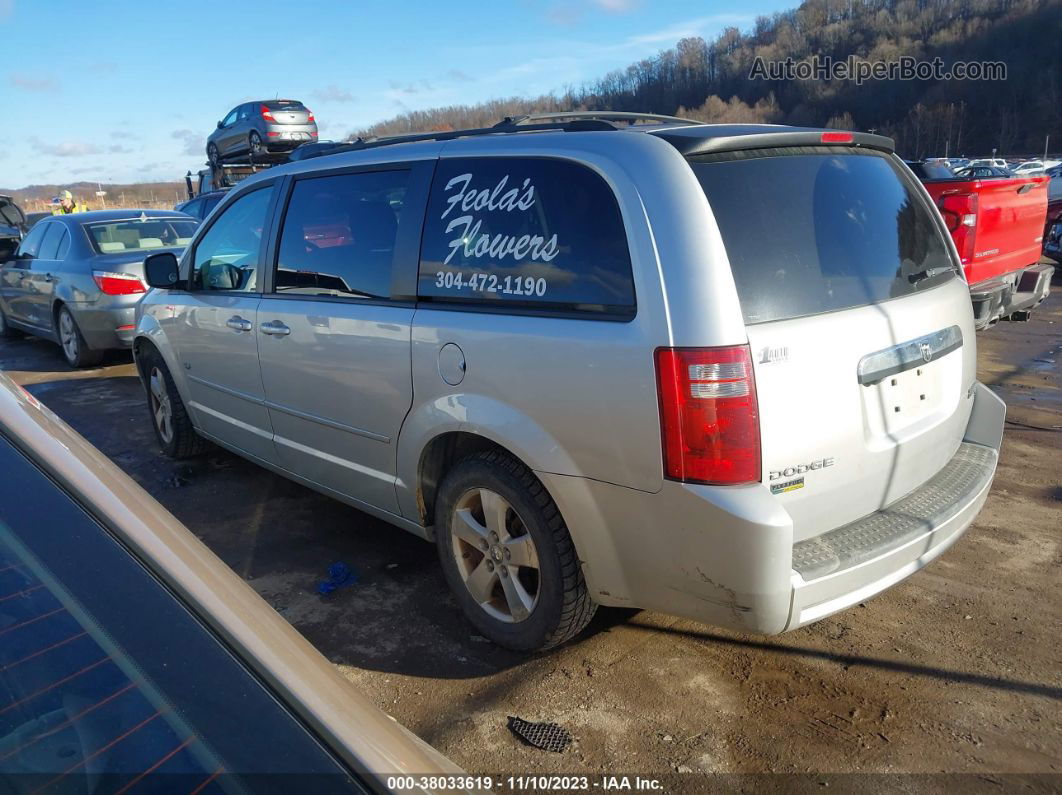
column 789, row 485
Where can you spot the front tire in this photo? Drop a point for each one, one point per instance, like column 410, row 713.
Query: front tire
column 75, row 350
column 169, row 418
column 507, row 555
column 213, row 156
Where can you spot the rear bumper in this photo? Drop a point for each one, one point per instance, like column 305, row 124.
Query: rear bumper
column 1019, row 291
column 854, row 562
column 1032, row 286
column 988, row 299
column 107, row 328
column 725, row 555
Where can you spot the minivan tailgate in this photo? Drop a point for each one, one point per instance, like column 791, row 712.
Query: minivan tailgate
column 882, row 404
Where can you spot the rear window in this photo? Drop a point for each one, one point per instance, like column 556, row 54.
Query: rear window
column 531, row 233
column 811, row 230
column 136, row 234
column 284, row 104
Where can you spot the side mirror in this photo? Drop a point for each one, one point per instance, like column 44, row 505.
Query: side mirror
column 161, row 270
column 220, row 125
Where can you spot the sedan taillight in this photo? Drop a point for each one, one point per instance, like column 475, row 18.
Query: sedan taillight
column 118, row 283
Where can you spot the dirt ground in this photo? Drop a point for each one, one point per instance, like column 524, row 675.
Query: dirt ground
column 956, row 670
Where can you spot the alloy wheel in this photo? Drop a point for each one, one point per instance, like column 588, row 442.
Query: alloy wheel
column 68, row 335
column 495, row 554
column 161, row 408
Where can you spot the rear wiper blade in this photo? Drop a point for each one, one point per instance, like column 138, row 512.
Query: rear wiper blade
column 929, row 273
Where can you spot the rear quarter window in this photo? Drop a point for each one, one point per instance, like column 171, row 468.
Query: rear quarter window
column 820, row 229
column 529, row 233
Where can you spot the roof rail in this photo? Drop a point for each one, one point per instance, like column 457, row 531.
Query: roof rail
column 305, row 151
column 601, row 115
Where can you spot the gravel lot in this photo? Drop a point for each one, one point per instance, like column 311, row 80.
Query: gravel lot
column 957, row 670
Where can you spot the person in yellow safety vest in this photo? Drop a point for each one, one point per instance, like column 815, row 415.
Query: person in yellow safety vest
column 67, row 204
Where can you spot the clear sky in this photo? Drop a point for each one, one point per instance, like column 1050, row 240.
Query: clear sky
column 127, row 90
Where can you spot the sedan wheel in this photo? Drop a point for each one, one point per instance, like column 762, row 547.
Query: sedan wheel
column 68, row 335
column 161, row 408
column 495, row 555
column 75, row 351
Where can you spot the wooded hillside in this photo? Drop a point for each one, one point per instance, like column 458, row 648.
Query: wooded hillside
column 710, row 80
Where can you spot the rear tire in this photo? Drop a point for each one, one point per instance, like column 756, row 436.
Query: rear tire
column 6, row 332
column 72, row 342
column 254, row 145
column 213, row 156
column 507, row 555
column 169, row 418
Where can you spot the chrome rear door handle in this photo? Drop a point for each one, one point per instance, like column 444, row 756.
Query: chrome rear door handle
column 275, row 328
column 238, row 323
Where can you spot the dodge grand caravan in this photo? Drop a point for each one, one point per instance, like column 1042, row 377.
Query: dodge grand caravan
column 724, row 372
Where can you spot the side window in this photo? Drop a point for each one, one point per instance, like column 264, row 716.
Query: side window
column 193, row 208
column 245, row 112
column 231, row 118
column 530, row 232
column 50, row 244
column 64, row 245
column 339, row 235
column 208, row 205
column 226, row 257
column 31, row 243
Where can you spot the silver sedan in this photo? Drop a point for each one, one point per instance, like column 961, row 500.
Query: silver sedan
column 76, row 279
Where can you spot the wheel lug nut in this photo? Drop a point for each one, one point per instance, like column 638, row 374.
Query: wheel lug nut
column 504, row 572
column 508, row 554
column 490, row 565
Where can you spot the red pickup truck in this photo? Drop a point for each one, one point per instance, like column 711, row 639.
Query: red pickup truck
column 997, row 224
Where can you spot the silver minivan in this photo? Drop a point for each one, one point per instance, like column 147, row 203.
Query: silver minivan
column 725, row 372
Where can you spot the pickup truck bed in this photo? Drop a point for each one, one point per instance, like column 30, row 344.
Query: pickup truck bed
column 998, row 225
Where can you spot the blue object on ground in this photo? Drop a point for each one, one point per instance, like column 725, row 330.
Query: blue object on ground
column 340, row 575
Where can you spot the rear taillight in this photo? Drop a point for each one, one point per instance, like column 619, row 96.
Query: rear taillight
column 959, row 211
column 311, row 118
column 118, row 283
column 708, row 414
column 267, row 115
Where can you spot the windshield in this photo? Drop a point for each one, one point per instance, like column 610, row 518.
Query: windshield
column 817, row 229
column 137, row 235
